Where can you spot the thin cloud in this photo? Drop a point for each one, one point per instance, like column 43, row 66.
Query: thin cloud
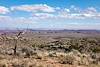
column 45, row 11
column 43, row 15
column 34, row 8
column 17, row 20
column 4, row 10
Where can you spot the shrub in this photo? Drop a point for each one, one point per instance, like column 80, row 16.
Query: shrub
column 52, row 54
column 67, row 59
column 96, row 50
column 28, row 52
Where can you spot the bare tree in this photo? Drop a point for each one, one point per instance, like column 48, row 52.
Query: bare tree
column 16, row 41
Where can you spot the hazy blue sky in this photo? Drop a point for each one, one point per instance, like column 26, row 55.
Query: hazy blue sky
column 50, row 14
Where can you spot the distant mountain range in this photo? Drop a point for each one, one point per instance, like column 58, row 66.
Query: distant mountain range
column 46, row 30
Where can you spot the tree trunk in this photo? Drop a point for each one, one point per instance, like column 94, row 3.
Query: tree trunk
column 15, row 47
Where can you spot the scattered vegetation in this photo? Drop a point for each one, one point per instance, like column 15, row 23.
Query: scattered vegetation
column 65, row 51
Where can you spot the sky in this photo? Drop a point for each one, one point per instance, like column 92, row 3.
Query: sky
column 50, row 14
